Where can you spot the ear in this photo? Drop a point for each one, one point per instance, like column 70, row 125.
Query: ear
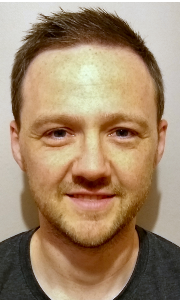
column 161, row 140
column 15, row 144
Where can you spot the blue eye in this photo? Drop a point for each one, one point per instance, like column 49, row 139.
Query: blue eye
column 59, row 133
column 122, row 132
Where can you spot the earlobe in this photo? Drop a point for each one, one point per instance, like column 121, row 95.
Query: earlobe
column 161, row 139
column 15, row 144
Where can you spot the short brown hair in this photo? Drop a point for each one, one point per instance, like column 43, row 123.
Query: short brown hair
column 87, row 26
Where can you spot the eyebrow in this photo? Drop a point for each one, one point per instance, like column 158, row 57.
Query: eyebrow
column 107, row 119
column 55, row 118
column 126, row 117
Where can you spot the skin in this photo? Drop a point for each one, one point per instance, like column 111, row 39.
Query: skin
column 88, row 123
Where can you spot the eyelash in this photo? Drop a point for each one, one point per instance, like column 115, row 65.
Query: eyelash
column 123, row 130
column 50, row 133
column 130, row 133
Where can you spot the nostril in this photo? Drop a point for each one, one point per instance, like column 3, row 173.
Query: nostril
column 91, row 175
column 92, row 184
column 92, row 164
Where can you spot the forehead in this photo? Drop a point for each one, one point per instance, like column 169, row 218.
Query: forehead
column 87, row 75
column 89, row 62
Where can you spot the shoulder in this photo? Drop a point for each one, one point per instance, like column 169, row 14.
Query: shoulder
column 163, row 255
column 10, row 246
column 157, row 273
column 10, row 253
column 157, row 242
column 14, row 254
column 161, row 244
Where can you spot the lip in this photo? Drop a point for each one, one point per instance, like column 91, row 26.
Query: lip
column 86, row 192
column 91, row 201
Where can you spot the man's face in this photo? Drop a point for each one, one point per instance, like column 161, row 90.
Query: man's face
column 89, row 139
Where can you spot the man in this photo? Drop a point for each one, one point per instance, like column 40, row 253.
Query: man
column 87, row 98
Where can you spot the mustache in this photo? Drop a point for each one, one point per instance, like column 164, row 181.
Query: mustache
column 82, row 183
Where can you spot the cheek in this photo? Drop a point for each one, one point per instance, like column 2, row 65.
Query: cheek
column 48, row 166
column 133, row 167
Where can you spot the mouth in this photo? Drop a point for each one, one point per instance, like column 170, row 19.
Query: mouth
column 87, row 201
column 90, row 197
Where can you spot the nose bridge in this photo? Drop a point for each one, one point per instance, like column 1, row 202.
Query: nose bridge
column 93, row 150
column 92, row 162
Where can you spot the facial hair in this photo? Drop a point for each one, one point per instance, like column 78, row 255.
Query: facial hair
column 90, row 230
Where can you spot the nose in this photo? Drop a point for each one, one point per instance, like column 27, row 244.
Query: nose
column 91, row 163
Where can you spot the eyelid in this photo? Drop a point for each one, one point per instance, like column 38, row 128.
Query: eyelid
column 131, row 131
column 50, row 132
column 50, row 140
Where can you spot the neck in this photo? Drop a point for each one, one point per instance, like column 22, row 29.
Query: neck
column 62, row 266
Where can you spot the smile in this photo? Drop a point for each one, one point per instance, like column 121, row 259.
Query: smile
column 91, row 202
column 90, row 197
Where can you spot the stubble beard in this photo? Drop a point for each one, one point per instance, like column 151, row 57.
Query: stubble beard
column 90, row 230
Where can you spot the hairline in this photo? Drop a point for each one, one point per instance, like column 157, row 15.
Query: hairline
column 60, row 46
